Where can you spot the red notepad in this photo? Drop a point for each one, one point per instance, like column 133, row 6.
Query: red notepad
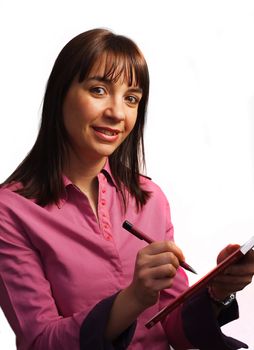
column 203, row 282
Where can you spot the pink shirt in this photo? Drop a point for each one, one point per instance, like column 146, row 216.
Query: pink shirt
column 58, row 262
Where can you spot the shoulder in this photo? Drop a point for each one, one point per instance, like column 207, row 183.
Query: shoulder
column 8, row 198
column 157, row 209
column 6, row 193
column 11, row 201
column 12, row 186
column 17, row 212
column 149, row 185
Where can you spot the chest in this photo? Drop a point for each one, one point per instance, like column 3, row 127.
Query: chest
column 87, row 258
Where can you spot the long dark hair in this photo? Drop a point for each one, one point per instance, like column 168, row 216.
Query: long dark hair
column 40, row 173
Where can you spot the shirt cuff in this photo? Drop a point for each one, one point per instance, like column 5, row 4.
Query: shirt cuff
column 92, row 330
column 203, row 329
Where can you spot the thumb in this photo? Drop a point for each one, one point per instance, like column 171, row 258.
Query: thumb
column 228, row 250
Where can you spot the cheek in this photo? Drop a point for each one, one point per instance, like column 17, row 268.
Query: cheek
column 129, row 125
column 73, row 121
column 130, row 122
column 76, row 114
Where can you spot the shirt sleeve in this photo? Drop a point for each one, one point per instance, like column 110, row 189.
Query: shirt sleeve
column 93, row 328
column 193, row 325
column 201, row 327
column 28, row 304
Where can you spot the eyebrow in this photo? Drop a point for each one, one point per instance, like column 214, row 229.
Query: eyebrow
column 109, row 81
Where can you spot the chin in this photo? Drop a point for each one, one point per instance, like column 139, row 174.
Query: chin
column 106, row 151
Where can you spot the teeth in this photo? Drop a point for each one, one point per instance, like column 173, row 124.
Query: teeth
column 107, row 132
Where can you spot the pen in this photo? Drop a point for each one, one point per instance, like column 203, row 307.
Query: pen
column 141, row 235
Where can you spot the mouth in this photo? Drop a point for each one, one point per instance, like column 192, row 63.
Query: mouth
column 107, row 131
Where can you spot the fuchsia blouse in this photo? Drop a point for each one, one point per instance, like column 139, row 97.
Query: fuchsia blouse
column 60, row 269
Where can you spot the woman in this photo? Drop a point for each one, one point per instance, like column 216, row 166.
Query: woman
column 71, row 277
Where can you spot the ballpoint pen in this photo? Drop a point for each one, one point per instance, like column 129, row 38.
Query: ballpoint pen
column 141, row 235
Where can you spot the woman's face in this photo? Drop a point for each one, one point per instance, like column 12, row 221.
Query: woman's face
column 99, row 114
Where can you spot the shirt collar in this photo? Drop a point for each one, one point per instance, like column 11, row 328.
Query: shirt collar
column 108, row 174
column 106, row 171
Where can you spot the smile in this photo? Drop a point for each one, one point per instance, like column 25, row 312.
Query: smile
column 106, row 134
column 109, row 132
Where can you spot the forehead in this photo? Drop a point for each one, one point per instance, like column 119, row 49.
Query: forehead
column 114, row 68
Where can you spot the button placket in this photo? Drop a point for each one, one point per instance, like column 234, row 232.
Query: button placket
column 103, row 211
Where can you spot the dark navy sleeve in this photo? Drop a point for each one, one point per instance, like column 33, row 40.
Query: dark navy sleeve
column 201, row 327
column 93, row 329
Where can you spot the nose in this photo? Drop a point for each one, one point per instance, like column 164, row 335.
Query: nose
column 115, row 109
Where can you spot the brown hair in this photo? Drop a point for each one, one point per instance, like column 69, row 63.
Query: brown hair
column 41, row 171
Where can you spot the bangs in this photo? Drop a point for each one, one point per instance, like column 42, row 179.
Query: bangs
column 120, row 66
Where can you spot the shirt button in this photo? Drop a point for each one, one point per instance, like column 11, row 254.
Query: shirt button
column 103, row 190
column 103, row 202
column 108, row 237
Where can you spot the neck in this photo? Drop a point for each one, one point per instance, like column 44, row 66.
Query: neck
column 83, row 173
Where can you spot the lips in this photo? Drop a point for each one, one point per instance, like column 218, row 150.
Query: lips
column 105, row 134
column 107, row 131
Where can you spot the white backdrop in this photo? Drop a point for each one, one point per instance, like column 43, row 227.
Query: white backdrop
column 200, row 130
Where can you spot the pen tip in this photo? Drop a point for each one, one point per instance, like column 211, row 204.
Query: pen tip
column 188, row 267
column 192, row 270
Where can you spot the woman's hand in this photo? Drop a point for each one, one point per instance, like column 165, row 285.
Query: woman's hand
column 155, row 268
column 235, row 277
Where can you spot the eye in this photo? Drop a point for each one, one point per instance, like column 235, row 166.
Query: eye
column 98, row 90
column 133, row 100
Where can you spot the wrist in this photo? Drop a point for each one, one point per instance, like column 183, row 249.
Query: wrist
column 123, row 314
column 223, row 302
column 141, row 298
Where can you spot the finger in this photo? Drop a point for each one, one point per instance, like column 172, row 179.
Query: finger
column 240, row 270
column 161, row 277
column 163, row 259
column 228, row 250
column 165, row 246
column 227, row 289
column 233, row 279
column 231, row 283
column 148, row 273
column 242, row 267
column 163, row 271
column 157, row 285
column 248, row 258
column 164, row 283
column 157, row 278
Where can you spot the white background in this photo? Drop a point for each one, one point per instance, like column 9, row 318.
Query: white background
column 200, row 130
